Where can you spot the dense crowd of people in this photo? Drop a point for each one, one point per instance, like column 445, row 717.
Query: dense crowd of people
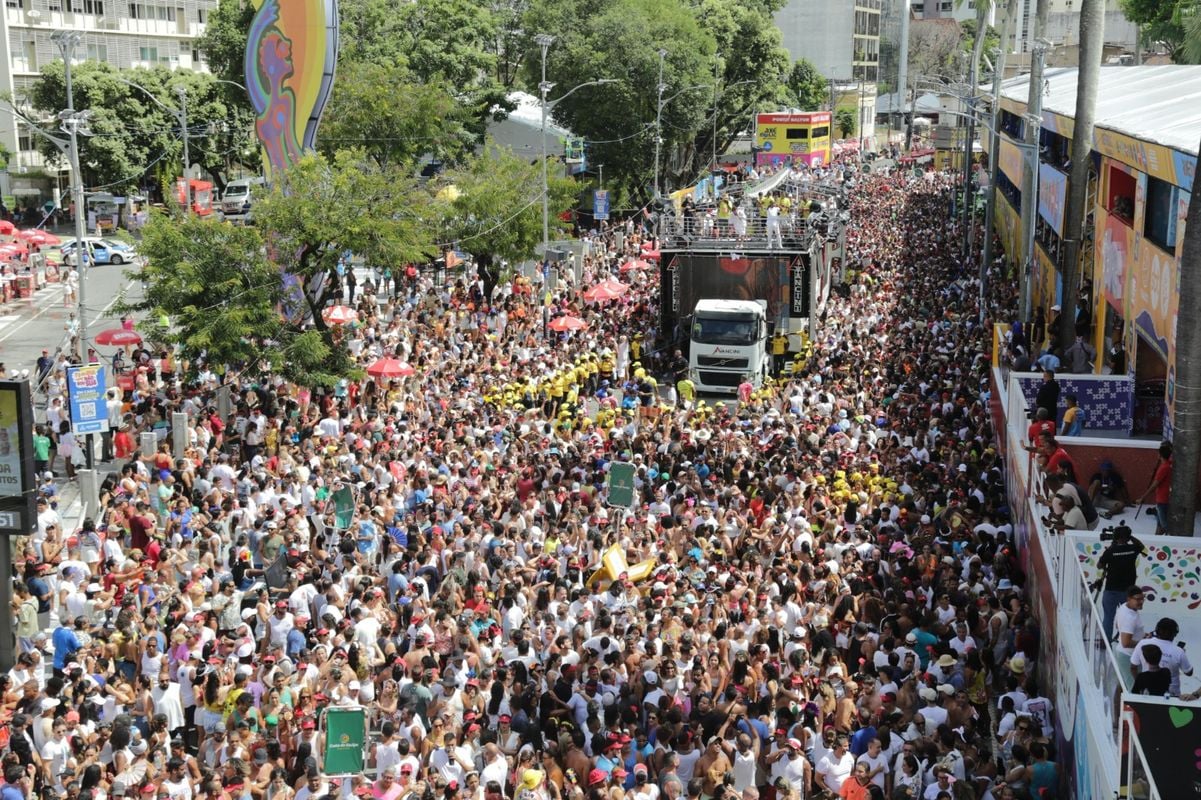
column 815, row 594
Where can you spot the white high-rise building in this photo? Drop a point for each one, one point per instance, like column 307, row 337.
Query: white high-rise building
column 125, row 33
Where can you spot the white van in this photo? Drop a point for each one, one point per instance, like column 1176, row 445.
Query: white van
column 237, row 198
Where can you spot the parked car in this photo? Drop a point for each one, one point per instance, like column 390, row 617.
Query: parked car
column 102, row 251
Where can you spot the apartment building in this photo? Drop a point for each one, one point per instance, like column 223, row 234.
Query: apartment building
column 125, row 33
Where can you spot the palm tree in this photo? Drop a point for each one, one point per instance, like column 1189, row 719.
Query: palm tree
column 1186, row 417
column 1088, row 75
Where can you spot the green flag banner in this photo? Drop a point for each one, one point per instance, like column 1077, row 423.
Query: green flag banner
column 345, row 739
column 621, row 485
column 343, row 508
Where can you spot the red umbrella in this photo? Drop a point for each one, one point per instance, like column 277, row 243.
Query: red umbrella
column 339, row 315
column 118, row 336
column 567, row 323
column 6, row 228
column 391, row 368
column 633, row 264
column 650, row 252
column 607, row 289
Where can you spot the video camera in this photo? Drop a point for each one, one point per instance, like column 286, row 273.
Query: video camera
column 1119, row 531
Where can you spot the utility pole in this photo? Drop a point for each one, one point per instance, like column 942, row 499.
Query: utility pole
column 716, row 78
column 544, row 41
column 72, row 122
column 659, row 120
column 903, row 67
column 187, row 161
column 1186, row 418
column 1034, row 109
column 969, row 215
column 1092, row 41
column 993, row 156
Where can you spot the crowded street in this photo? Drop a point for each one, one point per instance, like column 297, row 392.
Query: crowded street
column 814, row 594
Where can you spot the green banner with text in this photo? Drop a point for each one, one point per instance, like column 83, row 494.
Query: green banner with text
column 345, row 739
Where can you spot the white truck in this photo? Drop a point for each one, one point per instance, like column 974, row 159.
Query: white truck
column 238, row 197
column 728, row 343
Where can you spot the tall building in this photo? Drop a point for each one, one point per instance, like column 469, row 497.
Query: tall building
column 950, row 9
column 842, row 39
column 123, row 33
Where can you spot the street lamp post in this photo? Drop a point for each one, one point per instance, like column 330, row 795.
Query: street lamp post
column 659, row 119
column 544, row 41
column 67, row 41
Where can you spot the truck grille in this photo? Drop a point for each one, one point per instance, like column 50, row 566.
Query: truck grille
column 730, row 379
column 719, row 361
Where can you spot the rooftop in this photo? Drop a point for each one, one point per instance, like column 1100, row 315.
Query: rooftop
column 1158, row 104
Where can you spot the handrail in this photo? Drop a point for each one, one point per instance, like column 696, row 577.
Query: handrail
column 1138, row 774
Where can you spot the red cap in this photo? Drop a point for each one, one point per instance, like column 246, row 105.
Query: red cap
column 597, row 776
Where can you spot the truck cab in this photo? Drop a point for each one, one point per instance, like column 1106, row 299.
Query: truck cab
column 727, row 343
column 238, row 197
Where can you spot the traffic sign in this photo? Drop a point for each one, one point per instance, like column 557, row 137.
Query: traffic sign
column 621, row 484
column 600, row 204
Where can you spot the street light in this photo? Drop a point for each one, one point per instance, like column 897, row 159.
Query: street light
column 74, row 124
column 181, row 117
column 659, row 118
column 544, row 41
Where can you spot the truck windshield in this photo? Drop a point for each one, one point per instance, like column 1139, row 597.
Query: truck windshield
column 723, row 330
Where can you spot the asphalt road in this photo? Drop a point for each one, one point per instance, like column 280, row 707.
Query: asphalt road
column 31, row 325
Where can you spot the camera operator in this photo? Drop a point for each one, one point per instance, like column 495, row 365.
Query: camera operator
column 1119, row 566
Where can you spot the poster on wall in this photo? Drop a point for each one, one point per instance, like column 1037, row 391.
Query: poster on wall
column 1170, row 734
column 1117, row 242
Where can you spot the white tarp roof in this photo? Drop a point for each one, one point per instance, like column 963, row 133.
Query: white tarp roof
column 521, row 130
column 1159, row 104
column 924, row 104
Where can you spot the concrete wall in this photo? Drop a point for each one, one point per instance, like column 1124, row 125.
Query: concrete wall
column 821, row 32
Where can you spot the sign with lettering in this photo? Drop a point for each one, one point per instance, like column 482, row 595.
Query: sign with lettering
column 18, row 483
column 86, row 387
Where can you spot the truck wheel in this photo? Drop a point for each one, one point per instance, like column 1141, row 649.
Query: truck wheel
column 116, row 260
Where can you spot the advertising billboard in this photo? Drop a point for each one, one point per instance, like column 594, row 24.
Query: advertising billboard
column 793, row 138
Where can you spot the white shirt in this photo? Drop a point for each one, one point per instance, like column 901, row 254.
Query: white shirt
column 879, row 761
column 1174, row 659
column 836, row 770
column 1128, row 620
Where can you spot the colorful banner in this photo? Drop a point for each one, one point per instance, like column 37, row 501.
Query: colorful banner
column 1010, row 161
column 12, row 479
column 796, row 138
column 1052, row 196
column 1153, row 159
column 291, row 52
column 85, row 392
column 1117, row 243
column 1008, row 228
column 600, row 204
column 345, row 737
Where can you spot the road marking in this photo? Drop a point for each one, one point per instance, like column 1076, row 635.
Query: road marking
column 5, row 321
column 54, row 296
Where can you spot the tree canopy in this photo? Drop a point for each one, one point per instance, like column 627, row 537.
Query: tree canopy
column 222, row 295
column 494, row 210
column 1166, row 22
column 807, row 89
column 135, row 140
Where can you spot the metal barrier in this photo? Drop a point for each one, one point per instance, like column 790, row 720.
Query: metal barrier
column 704, row 231
column 1137, row 781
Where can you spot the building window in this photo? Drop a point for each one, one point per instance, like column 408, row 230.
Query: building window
column 148, row 53
column 15, row 3
column 1120, row 202
column 93, row 7
column 147, row 11
column 97, row 52
column 1159, row 215
column 24, row 139
column 201, row 15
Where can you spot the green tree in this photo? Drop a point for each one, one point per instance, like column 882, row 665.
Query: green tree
column 132, row 134
column 222, row 295
column 224, row 40
column 495, row 209
column 844, row 120
column 324, row 207
column 935, row 51
column 621, row 39
column 1164, row 22
column 807, row 89
column 394, row 119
